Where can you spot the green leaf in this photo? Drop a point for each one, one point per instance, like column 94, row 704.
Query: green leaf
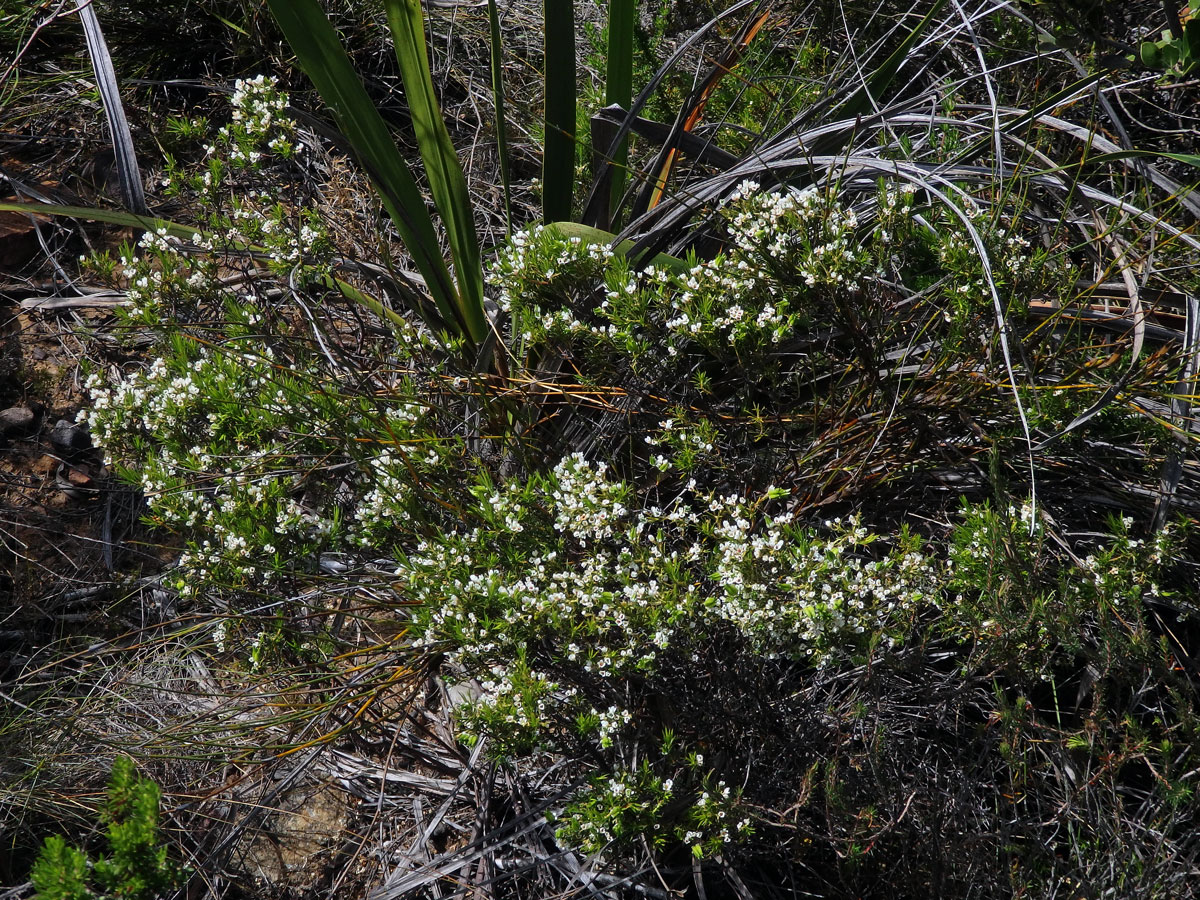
column 238, row 28
column 501, row 118
column 320, row 53
column 590, row 235
column 618, row 82
column 877, row 82
column 112, row 216
column 1191, row 34
column 442, row 167
column 558, row 162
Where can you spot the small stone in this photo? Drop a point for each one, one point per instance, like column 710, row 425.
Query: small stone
column 77, row 483
column 16, row 420
column 67, row 436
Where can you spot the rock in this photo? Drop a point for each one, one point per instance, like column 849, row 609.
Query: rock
column 76, row 482
column 16, row 420
column 298, row 840
column 67, row 436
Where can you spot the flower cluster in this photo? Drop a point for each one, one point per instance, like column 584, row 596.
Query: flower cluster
column 387, row 498
column 258, row 114
column 784, row 589
column 807, row 233
column 570, row 587
column 219, row 437
column 690, row 443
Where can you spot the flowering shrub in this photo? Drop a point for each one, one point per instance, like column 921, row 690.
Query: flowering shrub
column 603, row 598
column 242, row 211
column 233, row 430
column 226, row 443
column 571, row 590
column 1016, row 598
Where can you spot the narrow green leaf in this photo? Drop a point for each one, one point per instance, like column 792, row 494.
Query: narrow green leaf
column 878, row 81
column 501, row 118
column 442, row 167
column 320, row 53
column 558, row 163
column 590, row 235
column 238, row 28
column 112, row 216
column 618, row 82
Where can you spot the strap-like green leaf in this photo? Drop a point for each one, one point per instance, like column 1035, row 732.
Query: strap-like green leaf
column 442, row 167
column 618, row 82
column 558, row 163
column 322, row 57
column 112, row 216
column 501, row 118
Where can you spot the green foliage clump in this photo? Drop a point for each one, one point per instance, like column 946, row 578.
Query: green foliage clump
column 575, row 605
column 667, row 612
column 1177, row 51
column 1015, row 598
column 136, row 867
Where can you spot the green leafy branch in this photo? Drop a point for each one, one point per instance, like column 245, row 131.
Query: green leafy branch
column 136, row 867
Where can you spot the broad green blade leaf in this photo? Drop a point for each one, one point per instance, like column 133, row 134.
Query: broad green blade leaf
column 113, row 216
column 501, row 119
column 590, row 235
column 618, row 82
column 558, row 163
column 442, row 167
column 322, row 57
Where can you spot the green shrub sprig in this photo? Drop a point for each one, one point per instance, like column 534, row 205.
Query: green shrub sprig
column 136, row 867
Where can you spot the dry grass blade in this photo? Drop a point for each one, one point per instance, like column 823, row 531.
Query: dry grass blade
column 450, row 864
column 106, row 80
